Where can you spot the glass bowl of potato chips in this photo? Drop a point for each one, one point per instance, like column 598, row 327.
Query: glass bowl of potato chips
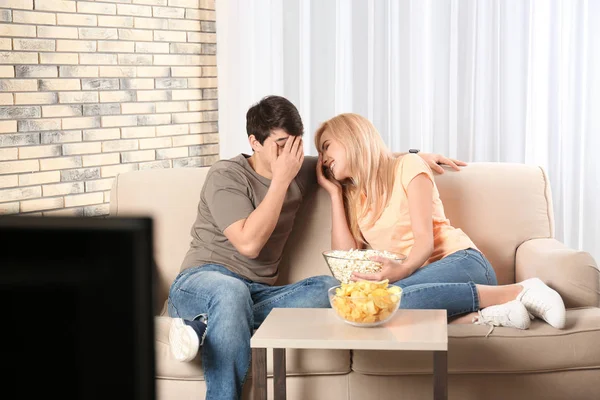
column 365, row 303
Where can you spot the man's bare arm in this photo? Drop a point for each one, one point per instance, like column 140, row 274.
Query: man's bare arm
column 436, row 160
column 250, row 235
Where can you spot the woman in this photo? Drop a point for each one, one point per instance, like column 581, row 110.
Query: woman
column 392, row 203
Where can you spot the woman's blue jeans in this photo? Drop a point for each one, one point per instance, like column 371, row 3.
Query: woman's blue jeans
column 448, row 283
column 235, row 306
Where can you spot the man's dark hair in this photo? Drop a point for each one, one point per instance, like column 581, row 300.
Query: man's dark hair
column 273, row 112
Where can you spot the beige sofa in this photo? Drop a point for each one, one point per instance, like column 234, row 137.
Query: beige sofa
column 507, row 211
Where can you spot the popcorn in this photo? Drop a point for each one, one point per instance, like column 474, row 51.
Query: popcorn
column 342, row 263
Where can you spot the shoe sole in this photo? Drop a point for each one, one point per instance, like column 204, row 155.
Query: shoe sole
column 183, row 341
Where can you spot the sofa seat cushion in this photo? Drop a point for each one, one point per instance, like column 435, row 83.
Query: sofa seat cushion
column 540, row 348
column 298, row 362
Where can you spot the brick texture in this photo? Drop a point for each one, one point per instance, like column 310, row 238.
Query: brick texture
column 91, row 89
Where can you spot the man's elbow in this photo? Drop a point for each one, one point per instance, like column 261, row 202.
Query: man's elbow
column 248, row 247
column 249, row 250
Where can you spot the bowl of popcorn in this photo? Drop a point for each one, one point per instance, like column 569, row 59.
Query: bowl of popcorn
column 365, row 303
column 342, row 263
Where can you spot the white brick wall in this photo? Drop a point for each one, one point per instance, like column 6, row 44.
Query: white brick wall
column 91, row 89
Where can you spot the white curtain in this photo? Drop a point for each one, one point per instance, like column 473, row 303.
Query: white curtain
column 478, row 80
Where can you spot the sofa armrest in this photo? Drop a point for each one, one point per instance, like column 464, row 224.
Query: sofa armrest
column 572, row 273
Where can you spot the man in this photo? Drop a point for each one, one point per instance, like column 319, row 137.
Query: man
column 245, row 215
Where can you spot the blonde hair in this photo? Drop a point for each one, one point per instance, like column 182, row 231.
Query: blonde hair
column 371, row 166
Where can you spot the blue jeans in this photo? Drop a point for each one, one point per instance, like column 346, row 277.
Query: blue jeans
column 448, row 283
column 235, row 306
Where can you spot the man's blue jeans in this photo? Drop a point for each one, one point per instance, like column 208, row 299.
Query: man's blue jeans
column 235, row 306
column 448, row 283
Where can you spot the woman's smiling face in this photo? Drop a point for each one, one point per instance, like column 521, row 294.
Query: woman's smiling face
column 334, row 156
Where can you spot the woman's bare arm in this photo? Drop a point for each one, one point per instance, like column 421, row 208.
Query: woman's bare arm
column 420, row 207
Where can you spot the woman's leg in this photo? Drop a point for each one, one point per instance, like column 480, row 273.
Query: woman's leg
column 462, row 267
column 535, row 296
column 464, row 283
column 490, row 296
column 494, row 295
column 539, row 300
column 450, row 283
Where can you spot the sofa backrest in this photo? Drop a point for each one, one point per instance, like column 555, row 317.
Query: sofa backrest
column 499, row 205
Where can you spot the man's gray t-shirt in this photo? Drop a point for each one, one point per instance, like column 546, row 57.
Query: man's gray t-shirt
column 231, row 191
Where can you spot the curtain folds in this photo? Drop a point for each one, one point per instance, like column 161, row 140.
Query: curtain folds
column 500, row 81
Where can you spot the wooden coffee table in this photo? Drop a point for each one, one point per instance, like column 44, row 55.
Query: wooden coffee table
column 320, row 328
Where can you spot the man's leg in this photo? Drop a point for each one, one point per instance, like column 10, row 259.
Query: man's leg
column 226, row 301
column 307, row 293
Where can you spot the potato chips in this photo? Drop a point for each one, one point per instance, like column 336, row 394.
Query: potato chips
column 366, row 302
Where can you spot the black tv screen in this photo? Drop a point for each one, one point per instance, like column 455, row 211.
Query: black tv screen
column 76, row 295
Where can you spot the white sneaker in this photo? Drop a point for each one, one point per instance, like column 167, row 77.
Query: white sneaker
column 183, row 340
column 511, row 315
column 543, row 302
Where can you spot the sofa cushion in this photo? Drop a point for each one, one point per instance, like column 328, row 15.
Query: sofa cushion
column 298, row 362
column 540, row 348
